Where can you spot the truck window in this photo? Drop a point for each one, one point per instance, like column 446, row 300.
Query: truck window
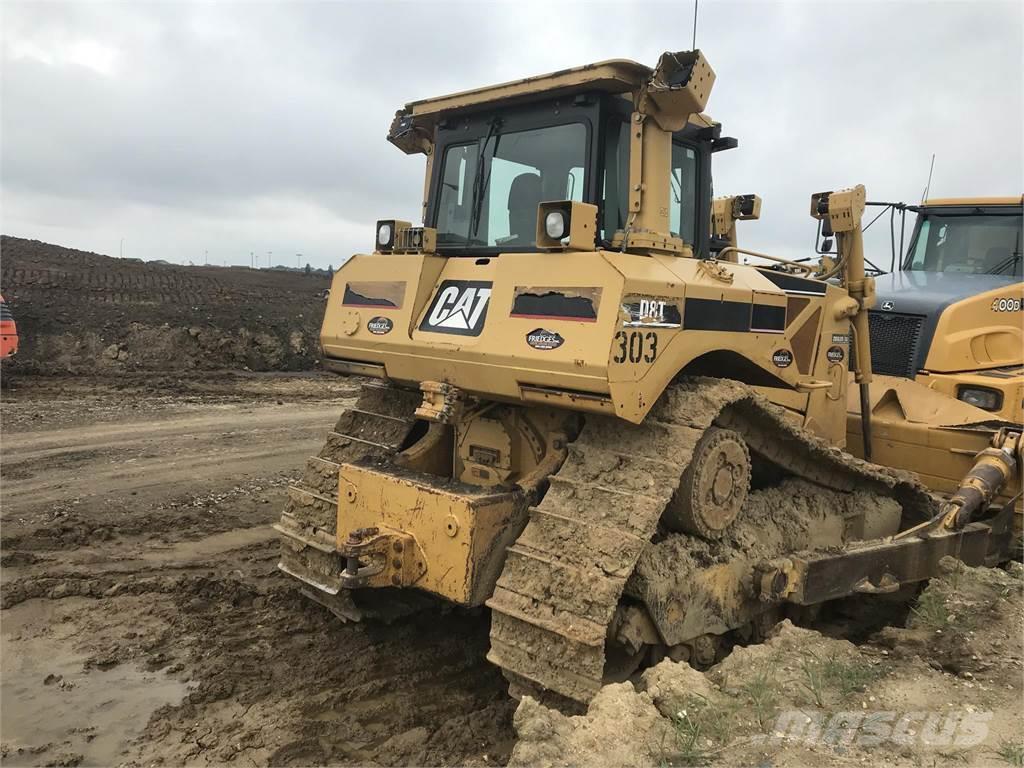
column 973, row 244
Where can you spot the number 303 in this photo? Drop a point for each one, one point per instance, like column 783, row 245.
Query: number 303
column 636, row 346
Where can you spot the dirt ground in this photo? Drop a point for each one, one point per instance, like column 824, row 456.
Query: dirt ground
column 144, row 621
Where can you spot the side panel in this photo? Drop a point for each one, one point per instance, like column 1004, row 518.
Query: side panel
column 600, row 331
column 983, row 331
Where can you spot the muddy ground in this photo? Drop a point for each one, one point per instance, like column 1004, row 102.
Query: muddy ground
column 144, row 622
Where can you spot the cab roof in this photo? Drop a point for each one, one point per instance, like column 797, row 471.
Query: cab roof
column 611, row 76
column 946, row 202
column 673, row 93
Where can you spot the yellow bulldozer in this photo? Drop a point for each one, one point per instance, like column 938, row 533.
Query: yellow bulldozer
column 578, row 416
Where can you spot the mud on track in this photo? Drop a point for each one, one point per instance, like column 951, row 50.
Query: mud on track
column 144, row 621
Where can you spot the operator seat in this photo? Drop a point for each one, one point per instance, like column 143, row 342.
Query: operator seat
column 523, row 198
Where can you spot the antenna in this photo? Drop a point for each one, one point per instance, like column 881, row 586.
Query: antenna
column 924, row 195
column 694, row 48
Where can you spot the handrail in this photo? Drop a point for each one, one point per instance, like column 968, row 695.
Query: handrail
column 803, row 267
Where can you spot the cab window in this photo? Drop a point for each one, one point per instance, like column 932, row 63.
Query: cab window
column 682, row 197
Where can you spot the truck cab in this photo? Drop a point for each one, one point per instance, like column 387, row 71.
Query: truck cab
column 951, row 316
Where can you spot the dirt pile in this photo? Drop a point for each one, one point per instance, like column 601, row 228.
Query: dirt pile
column 946, row 689
column 83, row 313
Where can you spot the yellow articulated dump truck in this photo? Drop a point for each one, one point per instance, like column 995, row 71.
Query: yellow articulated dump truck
column 576, row 416
column 947, row 339
column 953, row 316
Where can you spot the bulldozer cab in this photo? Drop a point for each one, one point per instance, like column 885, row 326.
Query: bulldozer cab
column 494, row 154
column 494, row 167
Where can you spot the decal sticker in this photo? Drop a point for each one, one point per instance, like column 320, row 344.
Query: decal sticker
column 651, row 312
column 374, row 294
column 888, row 306
column 636, row 346
column 716, row 315
column 459, row 307
column 782, row 358
column 835, row 354
column 378, row 326
column 1007, row 305
column 840, row 338
column 578, row 304
column 766, row 318
column 792, row 284
column 539, row 338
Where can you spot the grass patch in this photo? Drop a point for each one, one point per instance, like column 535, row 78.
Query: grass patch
column 930, row 610
column 762, row 691
column 937, row 607
column 702, row 729
column 842, row 676
column 1011, row 752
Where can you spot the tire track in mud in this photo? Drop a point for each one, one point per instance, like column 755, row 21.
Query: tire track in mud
column 43, row 467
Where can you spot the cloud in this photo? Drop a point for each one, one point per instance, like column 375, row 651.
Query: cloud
column 240, row 127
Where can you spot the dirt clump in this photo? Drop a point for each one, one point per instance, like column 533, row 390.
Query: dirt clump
column 621, row 727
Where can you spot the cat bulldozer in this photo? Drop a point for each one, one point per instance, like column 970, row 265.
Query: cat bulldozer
column 576, row 416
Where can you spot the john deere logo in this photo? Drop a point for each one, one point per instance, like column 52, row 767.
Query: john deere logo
column 378, row 326
column 782, row 358
column 888, row 306
column 459, row 307
column 539, row 338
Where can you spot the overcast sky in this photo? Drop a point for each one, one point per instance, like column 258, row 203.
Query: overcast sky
column 255, row 126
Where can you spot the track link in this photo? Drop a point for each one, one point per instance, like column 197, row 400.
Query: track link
column 565, row 575
column 375, row 427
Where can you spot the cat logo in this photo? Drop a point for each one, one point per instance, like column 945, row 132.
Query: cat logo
column 459, row 307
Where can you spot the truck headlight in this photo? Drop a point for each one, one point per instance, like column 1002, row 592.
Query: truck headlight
column 981, row 397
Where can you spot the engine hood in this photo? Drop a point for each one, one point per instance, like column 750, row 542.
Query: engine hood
column 928, row 293
column 977, row 316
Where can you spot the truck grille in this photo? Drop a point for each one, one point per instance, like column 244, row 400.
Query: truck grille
column 894, row 343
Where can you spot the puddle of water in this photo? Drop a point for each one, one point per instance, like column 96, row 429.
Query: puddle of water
column 94, row 713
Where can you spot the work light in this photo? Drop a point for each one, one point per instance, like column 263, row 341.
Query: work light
column 554, row 225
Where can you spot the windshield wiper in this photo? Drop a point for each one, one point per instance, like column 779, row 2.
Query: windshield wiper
column 1009, row 261
column 480, row 181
